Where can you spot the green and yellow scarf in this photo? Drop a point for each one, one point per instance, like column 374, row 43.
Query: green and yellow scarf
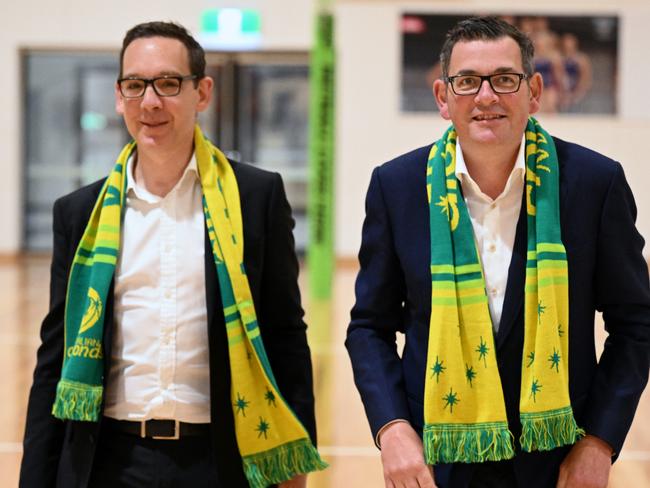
column 464, row 411
column 273, row 443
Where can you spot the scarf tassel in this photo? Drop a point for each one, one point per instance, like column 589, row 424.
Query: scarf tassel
column 548, row 430
column 282, row 463
column 473, row 443
column 77, row 401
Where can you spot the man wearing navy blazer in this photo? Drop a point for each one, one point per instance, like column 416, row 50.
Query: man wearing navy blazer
column 606, row 269
column 175, row 351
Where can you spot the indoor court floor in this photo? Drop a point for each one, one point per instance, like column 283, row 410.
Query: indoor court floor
column 344, row 436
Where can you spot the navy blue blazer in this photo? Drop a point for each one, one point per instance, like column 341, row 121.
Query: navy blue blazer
column 607, row 273
column 60, row 453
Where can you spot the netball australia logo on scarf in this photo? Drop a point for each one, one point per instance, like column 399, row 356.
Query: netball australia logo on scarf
column 88, row 347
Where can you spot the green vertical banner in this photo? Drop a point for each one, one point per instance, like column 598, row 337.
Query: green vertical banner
column 320, row 206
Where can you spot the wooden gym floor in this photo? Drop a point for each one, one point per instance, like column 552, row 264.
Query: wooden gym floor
column 344, row 437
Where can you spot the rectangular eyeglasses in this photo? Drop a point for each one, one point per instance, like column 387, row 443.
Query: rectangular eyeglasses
column 164, row 86
column 500, row 83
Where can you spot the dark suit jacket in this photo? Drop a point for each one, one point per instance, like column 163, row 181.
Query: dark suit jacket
column 60, row 453
column 607, row 272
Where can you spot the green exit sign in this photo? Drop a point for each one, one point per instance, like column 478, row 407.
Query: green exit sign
column 230, row 29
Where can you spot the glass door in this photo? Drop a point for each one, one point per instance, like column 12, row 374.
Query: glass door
column 71, row 131
column 258, row 115
column 262, row 107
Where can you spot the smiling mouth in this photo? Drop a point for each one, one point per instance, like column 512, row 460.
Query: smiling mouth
column 483, row 117
column 153, row 124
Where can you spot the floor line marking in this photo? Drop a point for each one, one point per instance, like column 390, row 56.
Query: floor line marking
column 10, row 447
column 351, row 451
column 348, row 451
column 634, row 456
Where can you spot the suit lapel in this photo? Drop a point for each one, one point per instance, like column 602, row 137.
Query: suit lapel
column 211, row 284
column 566, row 181
column 107, row 333
column 514, row 298
column 224, row 440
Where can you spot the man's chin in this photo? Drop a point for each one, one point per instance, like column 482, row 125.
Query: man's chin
column 148, row 143
column 151, row 135
column 485, row 136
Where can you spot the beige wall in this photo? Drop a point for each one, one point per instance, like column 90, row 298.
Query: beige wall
column 78, row 24
column 370, row 128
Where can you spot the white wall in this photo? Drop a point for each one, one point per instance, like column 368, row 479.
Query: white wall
column 78, row 24
column 371, row 129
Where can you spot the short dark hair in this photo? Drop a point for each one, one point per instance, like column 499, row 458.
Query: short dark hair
column 486, row 28
column 172, row 30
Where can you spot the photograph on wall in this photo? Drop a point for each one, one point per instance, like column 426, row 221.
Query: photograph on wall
column 576, row 56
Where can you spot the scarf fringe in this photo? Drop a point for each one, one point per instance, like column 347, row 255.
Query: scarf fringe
column 77, row 401
column 548, row 430
column 467, row 443
column 282, row 463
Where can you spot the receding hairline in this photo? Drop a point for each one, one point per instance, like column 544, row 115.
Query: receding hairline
column 491, row 40
column 184, row 49
column 486, row 28
column 172, row 30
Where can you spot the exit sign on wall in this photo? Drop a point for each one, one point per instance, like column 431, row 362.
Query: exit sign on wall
column 230, row 29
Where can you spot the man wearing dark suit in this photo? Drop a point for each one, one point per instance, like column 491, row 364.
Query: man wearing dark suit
column 165, row 341
column 606, row 271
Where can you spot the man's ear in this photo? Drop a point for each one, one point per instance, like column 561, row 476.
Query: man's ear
column 119, row 101
column 440, row 94
column 535, row 88
column 205, row 93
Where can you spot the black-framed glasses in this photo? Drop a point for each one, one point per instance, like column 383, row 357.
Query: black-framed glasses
column 164, row 86
column 500, row 83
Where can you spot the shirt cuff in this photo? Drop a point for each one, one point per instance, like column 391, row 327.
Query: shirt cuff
column 384, row 427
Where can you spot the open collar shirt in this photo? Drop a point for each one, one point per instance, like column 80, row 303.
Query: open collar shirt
column 495, row 224
column 159, row 365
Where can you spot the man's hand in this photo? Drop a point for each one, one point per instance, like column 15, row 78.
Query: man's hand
column 298, row 481
column 587, row 465
column 402, row 455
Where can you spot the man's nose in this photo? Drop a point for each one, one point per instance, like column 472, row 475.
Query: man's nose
column 485, row 93
column 150, row 99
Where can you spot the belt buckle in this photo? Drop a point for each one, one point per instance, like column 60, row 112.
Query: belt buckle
column 175, row 436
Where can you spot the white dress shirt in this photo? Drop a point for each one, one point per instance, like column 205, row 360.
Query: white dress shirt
column 159, row 365
column 495, row 226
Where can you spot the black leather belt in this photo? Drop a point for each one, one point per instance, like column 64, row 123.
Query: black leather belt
column 158, row 428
